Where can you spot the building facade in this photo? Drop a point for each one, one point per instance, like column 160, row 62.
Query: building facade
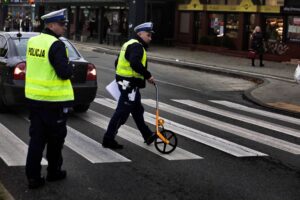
column 101, row 19
column 210, row 25
column 228, row 24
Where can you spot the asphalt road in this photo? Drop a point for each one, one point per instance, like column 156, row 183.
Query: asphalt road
column 224, row 152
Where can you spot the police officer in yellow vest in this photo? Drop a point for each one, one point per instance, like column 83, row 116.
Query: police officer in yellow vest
column 49, row 92
column 131, row 73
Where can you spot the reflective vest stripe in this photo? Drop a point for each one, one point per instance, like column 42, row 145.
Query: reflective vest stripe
column 47, row 82
column 123, row 68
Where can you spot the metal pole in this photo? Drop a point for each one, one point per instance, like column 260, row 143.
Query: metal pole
column 136, row 14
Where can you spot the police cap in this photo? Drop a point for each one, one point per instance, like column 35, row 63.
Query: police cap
column 55, row 16
column 147, row 26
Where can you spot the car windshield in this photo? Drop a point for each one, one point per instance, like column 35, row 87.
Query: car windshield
column 21, row 45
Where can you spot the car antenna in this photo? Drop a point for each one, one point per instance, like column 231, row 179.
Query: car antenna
column 19, row 35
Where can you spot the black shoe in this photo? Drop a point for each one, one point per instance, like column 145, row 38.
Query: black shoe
column 151, row 139
column 36, row 183
column 112, row 144
column 56, row 176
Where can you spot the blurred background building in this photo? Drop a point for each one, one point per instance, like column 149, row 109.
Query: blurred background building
column 211, row 25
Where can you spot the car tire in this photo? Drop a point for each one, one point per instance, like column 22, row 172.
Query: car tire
column 81, row 108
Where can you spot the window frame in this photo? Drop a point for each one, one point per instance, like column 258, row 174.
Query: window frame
column 288, row 38
column 5, row 46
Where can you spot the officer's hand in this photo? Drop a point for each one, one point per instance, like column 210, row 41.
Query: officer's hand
column 151, row 80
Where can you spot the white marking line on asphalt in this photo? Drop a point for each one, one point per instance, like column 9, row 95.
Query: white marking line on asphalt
column 250, row 120
column 199, row 136
column 13, row 150
column 134, row 136
column 90, row 149
column 258, row 112
column 232, row 129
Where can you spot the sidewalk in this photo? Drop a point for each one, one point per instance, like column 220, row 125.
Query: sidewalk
column 276, row 88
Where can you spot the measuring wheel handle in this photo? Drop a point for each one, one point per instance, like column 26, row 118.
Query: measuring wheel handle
column 163, row 147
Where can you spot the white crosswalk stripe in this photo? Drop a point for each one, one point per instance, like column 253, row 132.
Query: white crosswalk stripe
column 13, row 150
column 250, row 120
column 232, row 129
column 90, row 149
column 199, row 136
column 258, row 112
column 133, row 135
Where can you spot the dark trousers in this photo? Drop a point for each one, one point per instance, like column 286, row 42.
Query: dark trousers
column 47, row 126
column 124, row 108
column 260, row 60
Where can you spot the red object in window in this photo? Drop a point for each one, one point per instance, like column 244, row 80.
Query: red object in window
column 31, row 1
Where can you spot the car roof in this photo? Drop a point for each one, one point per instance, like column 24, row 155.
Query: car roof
column 24, row 34
column 14, row 34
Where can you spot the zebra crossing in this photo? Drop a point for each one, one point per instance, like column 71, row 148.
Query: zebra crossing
column 230, row 128
column 13, row 150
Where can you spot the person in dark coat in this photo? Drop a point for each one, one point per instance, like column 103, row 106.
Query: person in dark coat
column 131, row 76
column 257, row 44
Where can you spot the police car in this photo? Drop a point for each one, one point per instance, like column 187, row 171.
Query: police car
column 13, row 47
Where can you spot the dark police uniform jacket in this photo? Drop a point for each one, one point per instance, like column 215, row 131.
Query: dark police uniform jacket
column 134, row 54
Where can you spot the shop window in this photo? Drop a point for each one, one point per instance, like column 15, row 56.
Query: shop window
column 293, row 28
column 184, row 26
column 274, row 28
column 216, row 24
column 232, row 25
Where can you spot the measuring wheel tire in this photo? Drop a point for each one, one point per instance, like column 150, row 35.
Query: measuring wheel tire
column 163, row 147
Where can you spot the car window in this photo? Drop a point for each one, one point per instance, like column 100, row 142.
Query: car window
column 22, row 46
column 3, row 46
column 72, row 52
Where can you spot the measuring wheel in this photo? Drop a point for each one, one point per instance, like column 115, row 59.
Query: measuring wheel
column 164, row 147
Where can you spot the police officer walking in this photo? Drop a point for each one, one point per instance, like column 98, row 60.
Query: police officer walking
column 131, row 73
column 49, row 92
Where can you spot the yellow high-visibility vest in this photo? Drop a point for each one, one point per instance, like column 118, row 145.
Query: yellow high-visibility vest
column 123, row 67
column 41, row 82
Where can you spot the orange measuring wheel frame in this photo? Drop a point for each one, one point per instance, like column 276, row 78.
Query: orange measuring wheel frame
column 166, row 140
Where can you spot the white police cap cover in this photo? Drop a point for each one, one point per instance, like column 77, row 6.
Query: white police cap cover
column 55, row 16
column 147, row 26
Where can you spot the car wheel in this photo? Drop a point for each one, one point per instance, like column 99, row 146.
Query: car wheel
column 81, row 107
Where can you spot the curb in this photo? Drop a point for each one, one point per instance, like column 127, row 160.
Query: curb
column 190, row 65
column 260, row 81
column 247, row 95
